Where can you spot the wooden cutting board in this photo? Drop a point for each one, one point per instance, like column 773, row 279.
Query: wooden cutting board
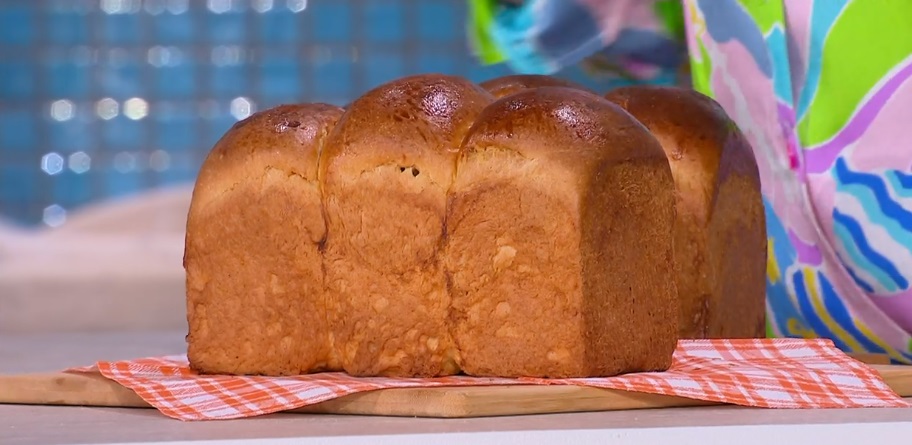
column 95, row 390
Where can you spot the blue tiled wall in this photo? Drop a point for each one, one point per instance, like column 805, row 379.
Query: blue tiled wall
column 105, row 98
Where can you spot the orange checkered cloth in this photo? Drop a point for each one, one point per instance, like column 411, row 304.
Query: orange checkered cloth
column 767, row 373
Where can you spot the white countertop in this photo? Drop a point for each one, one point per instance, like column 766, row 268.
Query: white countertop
column 705, row 426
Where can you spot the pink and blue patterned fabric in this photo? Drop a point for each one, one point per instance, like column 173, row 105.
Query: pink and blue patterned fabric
column 823, row 91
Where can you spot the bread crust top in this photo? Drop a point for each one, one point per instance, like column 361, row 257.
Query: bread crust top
column 418, row 119
column 287, row 138
column 569, row 126
column 703, row 145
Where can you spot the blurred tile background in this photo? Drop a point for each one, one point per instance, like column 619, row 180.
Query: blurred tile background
column 106, row 98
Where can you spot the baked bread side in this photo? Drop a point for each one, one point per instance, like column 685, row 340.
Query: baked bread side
column 720, row 242
column 559, row 240
column 506, row 85
column 386, row 171
column 255, row 300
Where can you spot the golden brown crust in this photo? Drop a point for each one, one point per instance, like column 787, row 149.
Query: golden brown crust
column 421, row 117
column 721, row 229
column 562, row 125
column 551, row 274
column 504, row 86
column 275, row 132
column 694, row 129
column 286, row 138
column 386, row 171
column 428, row 227
column 255, row 300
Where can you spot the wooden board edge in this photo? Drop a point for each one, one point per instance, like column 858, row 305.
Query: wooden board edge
column 485, row 401
column 870, row 358
column 897, row 377
column 64, row 388
column 84, row 389
column 87, row 389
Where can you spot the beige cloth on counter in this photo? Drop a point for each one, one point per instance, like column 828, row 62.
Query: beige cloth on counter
column 111, row 266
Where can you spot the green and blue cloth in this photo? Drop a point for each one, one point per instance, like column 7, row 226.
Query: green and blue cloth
column 545, row 36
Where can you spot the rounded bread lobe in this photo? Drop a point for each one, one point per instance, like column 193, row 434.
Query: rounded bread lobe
column 286, row 137
column 561, row 125
column 422, row 117
column 697, row 135
column 255, row 300
column 561, row 211
column 386, row 171
column 504, row 86
column 720, row 241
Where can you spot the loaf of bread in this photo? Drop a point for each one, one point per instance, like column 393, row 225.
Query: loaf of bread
column 523, row 227
column 720, row 240
column 504, row 86
column 561, row 214
column 386, row 170
column 255, row 298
